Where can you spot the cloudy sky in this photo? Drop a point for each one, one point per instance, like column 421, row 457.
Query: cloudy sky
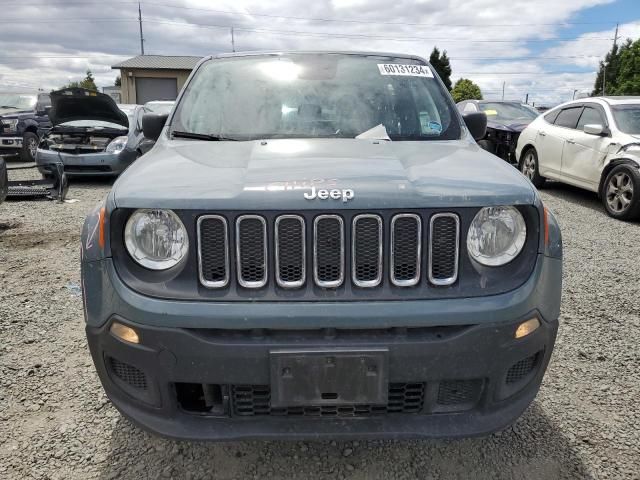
column 547, row 48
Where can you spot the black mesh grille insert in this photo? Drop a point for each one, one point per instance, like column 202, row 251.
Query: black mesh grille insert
column 521, row 369
column 459, row 392
column 444, row 249
column 290, row 251
column 367, row 251
column 128, row 373
column 252, row 262
column 252, row 400
column 214, row 251
column 406, row 250
column 329, row 251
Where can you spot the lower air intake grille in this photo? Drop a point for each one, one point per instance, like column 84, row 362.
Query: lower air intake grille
column 458, row 394
column 252, row 400
column 128, row 373
column 443, row 249
column 521, row 369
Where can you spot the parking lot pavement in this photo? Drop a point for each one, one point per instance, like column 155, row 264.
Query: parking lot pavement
column 56, row 423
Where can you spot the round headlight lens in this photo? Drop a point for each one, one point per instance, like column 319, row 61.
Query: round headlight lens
column 117, row 144
column 496, row 236
column 156, row 239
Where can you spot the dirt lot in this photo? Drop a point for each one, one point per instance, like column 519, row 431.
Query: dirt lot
column 56, row 423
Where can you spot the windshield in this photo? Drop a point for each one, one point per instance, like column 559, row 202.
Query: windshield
column 17, row 100
column 316, row 96
column 159, row 107
column 627, row 118
column 508, row 112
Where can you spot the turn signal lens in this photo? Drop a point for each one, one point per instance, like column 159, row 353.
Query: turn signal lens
column 125, row 333
column 527, row 327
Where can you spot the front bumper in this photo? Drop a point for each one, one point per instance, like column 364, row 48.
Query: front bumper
column 460, row 353
column 86, row 164
column 10, row 143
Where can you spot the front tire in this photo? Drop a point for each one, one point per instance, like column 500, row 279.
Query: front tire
column 621, row 193
column 529, row 167
column 29, row 147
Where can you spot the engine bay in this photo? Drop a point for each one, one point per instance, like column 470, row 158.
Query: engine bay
column 80, row 141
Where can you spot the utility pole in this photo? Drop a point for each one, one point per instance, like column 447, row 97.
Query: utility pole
column 233, row 41
column 141, row 36
column 574, row 94
column 604, row 80
column 526, row 99
column 503, row 85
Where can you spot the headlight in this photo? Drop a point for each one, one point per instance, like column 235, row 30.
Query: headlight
column 156, row 239
column 496, row 236
column 117, row 144
column 10, row 125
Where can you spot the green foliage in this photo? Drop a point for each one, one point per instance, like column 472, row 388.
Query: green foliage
column 88, row 82
column 628, row 79
column 465, row 89
column 118, row 82
column 441, row 64
column 612, row 61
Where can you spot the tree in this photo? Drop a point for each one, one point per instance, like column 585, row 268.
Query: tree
column 628, row 79
column 88, row 82
column 441, row 64
column 612, row 62
column 118, row 82
column 465, row 89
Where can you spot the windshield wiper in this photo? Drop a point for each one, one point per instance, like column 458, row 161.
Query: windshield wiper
column 8, row 106
column 203, row 136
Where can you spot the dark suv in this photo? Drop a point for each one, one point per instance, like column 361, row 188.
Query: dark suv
column 317, row 247
column 23, row 120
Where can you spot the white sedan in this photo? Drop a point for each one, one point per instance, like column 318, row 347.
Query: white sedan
column 592, row 143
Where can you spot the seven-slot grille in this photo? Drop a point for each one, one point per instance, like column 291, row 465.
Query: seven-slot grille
column 324, row 249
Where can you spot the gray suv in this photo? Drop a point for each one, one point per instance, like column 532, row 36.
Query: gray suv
column 317, row 247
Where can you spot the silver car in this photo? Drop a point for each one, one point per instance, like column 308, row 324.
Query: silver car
column 91, row 135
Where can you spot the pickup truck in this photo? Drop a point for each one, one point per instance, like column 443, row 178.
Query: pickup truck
column 23, row 120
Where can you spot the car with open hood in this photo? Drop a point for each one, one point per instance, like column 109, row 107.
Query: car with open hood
column 317, row 247
column 91, row 134
column 505, row 121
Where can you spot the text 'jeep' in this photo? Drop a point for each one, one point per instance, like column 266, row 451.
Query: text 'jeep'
column 316, row 247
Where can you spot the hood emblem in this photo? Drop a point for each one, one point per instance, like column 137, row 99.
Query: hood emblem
column 345, row 194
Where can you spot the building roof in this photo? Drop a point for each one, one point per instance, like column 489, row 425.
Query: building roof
column 155, row 62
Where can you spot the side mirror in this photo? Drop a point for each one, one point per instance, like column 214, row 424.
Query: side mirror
column 476, row 123
column 152, row 124
column 595, row 129
column 44, row 110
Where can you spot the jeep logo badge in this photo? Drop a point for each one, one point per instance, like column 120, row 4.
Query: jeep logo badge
column 345, row 194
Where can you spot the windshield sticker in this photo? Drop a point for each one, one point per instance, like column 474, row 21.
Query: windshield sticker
column 434, row 127
column 405, row 70
column 490, row 113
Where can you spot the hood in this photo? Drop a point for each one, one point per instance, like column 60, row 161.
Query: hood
column 276, row 174
column 71, row 104
column 509, row 127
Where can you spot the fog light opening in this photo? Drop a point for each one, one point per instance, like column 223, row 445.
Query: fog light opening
column 125, row 333
column 528, row 327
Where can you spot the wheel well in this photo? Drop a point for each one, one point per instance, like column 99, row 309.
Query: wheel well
column 610, row 166
column 525, row 149
column 32, row 129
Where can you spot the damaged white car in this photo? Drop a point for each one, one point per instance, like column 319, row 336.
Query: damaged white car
column 592, row 143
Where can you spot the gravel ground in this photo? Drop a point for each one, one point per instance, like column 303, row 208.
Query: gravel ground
column 56, row 423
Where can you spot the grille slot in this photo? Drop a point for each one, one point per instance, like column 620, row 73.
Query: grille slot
column 521, row 369
column 128, row 374
column 444, row 237
column 406, row 249
column 366, row 244
column 290, row 251
column 458, row 395
column 213, row 251
column 328, row 251
column 251, row 238
column 255, row 400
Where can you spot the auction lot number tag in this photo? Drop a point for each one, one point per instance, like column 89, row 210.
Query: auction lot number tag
column 404, row 70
